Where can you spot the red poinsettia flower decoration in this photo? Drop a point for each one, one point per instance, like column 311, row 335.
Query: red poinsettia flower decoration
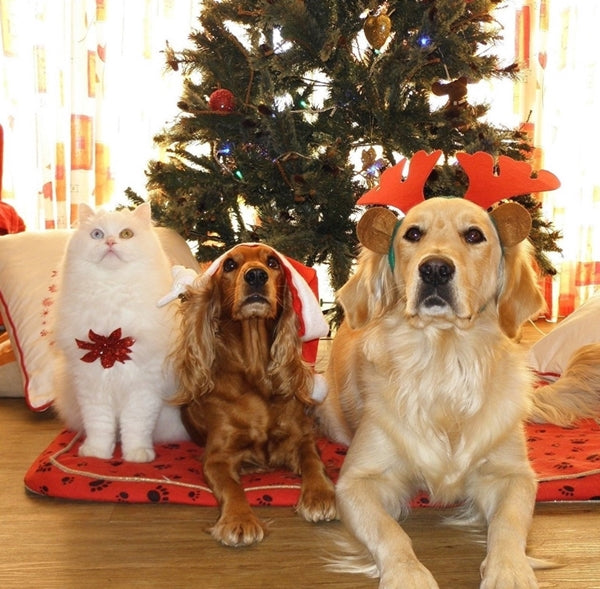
column 109, row 349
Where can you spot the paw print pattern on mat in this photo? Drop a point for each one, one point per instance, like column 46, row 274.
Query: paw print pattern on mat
column 265, row 500
column 99, row 485
column 158, row 495
column 567, row 491
column 44, row 467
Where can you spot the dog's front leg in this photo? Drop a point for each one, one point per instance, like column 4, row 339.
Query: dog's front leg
column 237, row 525
column 508, row 503
column 372, row 492
column 317, row 498
column 369, row 506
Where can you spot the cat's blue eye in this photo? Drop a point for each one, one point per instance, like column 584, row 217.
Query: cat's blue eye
column 97, row 234
column 126, row 234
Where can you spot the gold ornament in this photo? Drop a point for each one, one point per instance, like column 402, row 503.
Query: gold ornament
column 377, row 29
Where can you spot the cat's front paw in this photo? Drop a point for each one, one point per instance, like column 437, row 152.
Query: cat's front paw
column 88, row 448
column 139, row 454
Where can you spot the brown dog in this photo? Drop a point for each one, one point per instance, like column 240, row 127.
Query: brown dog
column 245, row 388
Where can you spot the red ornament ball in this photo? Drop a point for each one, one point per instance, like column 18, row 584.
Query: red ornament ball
column 221, row 100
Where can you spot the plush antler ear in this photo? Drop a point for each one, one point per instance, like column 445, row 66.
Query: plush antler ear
column 513, row 222
column 375, row 229
column 402, row 193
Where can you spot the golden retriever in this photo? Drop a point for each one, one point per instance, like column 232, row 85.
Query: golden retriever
column 245, row 389
column 429, row 390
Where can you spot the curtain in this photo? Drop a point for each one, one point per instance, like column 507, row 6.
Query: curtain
column 558, row 102
column 83, row 91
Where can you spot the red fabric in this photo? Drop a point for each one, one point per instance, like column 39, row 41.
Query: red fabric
column 567, row 462
column 10, row 222
column 310, row 348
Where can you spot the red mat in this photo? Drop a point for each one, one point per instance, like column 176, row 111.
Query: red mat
column 567, row 462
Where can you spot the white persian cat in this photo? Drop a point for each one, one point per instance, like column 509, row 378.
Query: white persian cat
column 111, row 338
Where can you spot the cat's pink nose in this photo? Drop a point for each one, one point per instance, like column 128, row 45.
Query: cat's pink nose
column 110, row 241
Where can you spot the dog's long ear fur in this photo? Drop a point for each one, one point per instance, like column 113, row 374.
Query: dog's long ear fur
column 194, row 353
column 520, row 297
column 290, row 374
column 370, row 291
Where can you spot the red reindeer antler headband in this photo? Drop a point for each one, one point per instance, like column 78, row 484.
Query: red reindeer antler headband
column 485, row 186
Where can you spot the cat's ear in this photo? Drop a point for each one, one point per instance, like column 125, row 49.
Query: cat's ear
column 143, row 212
column 85, row 212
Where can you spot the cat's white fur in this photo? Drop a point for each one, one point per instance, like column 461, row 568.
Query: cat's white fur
column 108, row 281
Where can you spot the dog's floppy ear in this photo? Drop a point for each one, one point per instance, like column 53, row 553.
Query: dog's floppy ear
column 521, row 297
column 513, row 222
column 194, row 353
column 371, row 289
column 290, row 374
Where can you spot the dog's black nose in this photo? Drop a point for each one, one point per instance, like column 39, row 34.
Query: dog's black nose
column 436, row 271
column 256, row 277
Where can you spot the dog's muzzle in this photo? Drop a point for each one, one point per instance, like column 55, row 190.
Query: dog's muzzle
column 256, row 279
column 436, row 275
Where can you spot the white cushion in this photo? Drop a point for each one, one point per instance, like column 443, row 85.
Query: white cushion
column 551, row 353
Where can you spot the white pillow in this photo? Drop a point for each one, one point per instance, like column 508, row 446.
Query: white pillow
column 28, row 272
column 551, row 354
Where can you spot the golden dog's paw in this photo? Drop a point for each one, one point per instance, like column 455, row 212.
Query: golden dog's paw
column 411, row 574
column 239, row 530
column 317, row 504
column 501, row 573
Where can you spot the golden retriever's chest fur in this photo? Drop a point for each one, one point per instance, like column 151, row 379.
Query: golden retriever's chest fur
column 441, row 399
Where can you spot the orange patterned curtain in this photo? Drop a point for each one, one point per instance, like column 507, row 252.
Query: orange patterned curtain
column 558, row 101
column 83, row 91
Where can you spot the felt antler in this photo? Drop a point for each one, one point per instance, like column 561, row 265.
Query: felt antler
column 403, row 193
column 513, row 179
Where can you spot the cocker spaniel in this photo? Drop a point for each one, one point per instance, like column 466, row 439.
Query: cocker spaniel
column 427, row 387
column 245, row 388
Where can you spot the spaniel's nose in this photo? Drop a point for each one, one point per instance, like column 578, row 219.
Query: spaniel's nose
column 436, row 271
column 256, row 277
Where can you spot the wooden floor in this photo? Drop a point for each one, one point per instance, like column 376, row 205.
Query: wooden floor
column 47, row 543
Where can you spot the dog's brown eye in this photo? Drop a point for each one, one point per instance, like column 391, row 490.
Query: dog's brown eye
column 229, row 265
column 474, row 236
column 273, row 262
column 413, row 234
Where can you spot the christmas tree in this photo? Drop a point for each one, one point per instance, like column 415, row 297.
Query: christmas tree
column 291, row 109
